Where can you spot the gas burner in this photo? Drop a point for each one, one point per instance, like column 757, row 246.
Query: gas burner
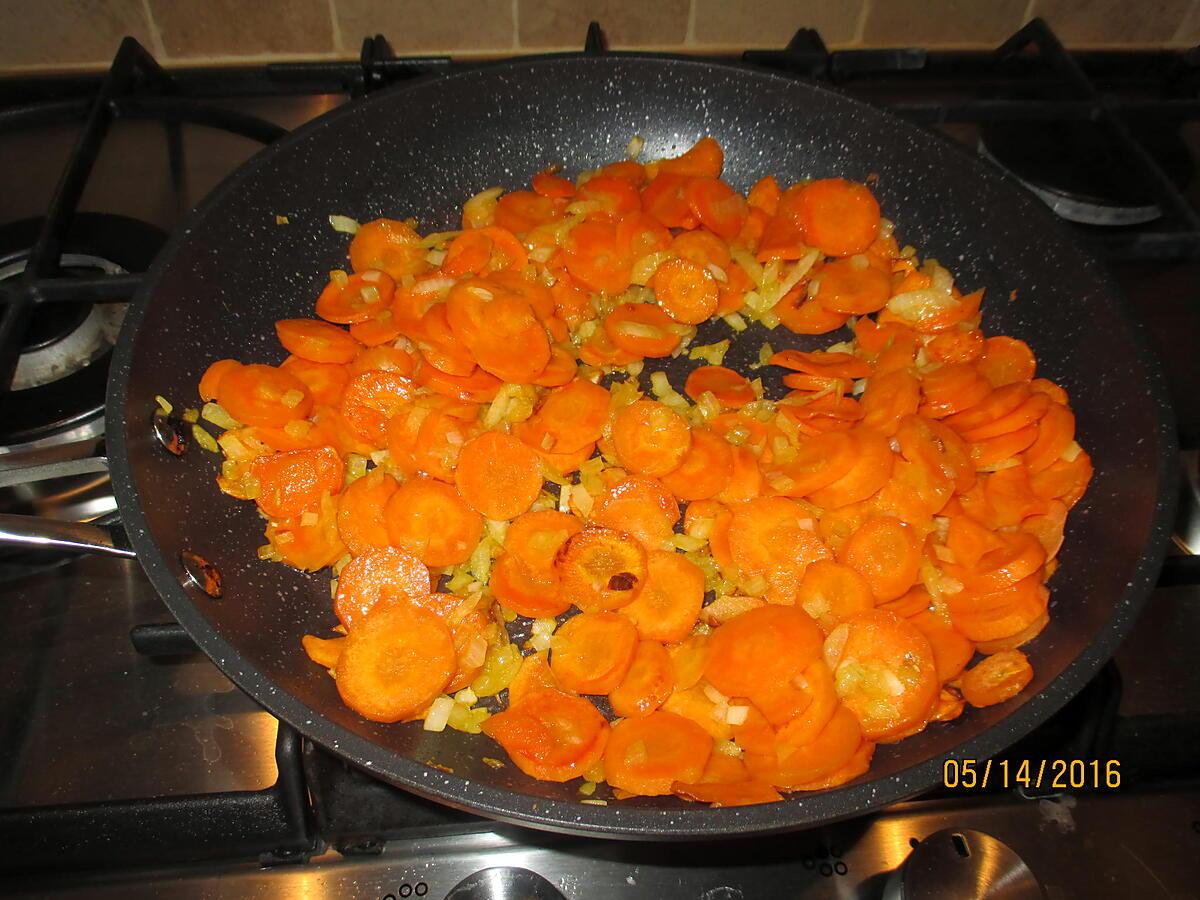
column 62, row 372
column 1078, row 170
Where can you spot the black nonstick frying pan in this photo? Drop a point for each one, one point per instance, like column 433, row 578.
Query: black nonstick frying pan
column 420, row 149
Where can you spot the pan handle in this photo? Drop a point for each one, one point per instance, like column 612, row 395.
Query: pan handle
column 34, row 533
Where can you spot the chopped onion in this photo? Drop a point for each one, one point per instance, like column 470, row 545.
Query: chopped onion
column 713, row 694
column 205, row 440
column 344, row 224
column 918, row 307
column 165, row 406
column 635, row 146
column 736, row 715
column 439, row 714
column 735, row 321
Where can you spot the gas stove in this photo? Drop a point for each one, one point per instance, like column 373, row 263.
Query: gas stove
column 134, row 767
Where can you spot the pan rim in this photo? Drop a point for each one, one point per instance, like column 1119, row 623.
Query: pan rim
column 620, row 820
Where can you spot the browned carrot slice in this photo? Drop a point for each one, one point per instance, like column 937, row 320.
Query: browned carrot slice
column 550, row 735
column 638, row 506
column 647, row 684
column 998, row 678
column 601, row 569
column 293, row 482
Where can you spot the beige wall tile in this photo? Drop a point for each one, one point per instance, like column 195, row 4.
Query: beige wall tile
column 626, row 23
column 68, row 33
column 1081, row 22
column 771, row 23
column 428, row 26
column 942, row 22
column 223, row 28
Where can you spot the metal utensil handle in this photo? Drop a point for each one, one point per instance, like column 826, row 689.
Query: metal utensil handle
column 34, row 533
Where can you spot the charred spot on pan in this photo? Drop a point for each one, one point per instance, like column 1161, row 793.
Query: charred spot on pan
column 171, row 433
column 622, row 581
column 202, row 573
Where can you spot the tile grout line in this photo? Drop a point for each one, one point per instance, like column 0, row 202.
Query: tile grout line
column 861, row 26
column 156, row 41
column 335, row 29
column 1176, row 35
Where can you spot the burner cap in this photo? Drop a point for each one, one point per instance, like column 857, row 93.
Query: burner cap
column 1078, row 169
column 62, row 373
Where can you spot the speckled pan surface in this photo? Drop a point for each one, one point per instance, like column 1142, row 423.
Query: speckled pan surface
column 421, row 149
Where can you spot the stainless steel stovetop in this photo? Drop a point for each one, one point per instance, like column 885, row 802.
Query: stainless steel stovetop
column 88, row 723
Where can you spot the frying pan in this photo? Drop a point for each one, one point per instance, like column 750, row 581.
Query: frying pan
column 420, row 149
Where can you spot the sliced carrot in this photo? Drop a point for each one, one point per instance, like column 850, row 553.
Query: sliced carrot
column 1064, row 480
column 956, row 346
column 1050, row 389
column 360, row 512
column 632, row 171
column 704, row 159
column 387, row 245
column 514, row 346
column 856, row 766
column 732, row 389
column 571, row 417
column 364, row 295
column 731, row 295
column 888, row 399
column 642, row 330
column 331, row 427
column 745, row 792
column 431, row 521
column 263, row 395
column 533, row 676
column 478, row 387
column 638, row 235
column 990, row 451
column 317, row 341
column 1048, row 527
column 822, row 363
column 1013, row 641
column 396, row 663
column 521, row 211
column 803, row 316
column 650, row 438
column 560, row 370
column 601, row 569
column 307, row 545
column 915, row 494
column 887, row 553
column 325, row 381
column 969, row 541
column 765, row 195
column 647, row 684
column 324, row 652
column 745, row 481
column 996, row 405
column 1027, row 413
column 592, row 652
column 996, row 679
column 469, row 253
column 1020, row 556
column 293, row 482
column 548, row 184
column 599, row 350
column 1001, row 614
column 832, row 593
column 550, row 735
column 837, row 525
column 664, row 200
column 916, row 601
column 716, row 206
column 669, row 603
column 641, row 507
column 782, row 237
column 852, row 286
column 535, row 538
column 951, row 389
column 771, row 535
column 818, row 462
column 705, row 470
column 647, row 755
column 885, row 674
column 440, row 345
column 838, row 216
column 951, row 651
column 371, row 399
column 498, row 476
column 210, row 381
column 1055, row 432
column 701, row 247
column 753, row 654
column 391, row 358
column 822, row 756
column 595, row 259
column 382, row 328
column 1006, row 360
column 525, row 590
column 870, row 471
column 438, row 447
column 803, row 707
column 615, row 195
column 565, row 463
column 383, row 574
column 687, row 291
column 936, row 446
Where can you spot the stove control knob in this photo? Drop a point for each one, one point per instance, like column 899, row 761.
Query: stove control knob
column 504, row 883
column 964, row 865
